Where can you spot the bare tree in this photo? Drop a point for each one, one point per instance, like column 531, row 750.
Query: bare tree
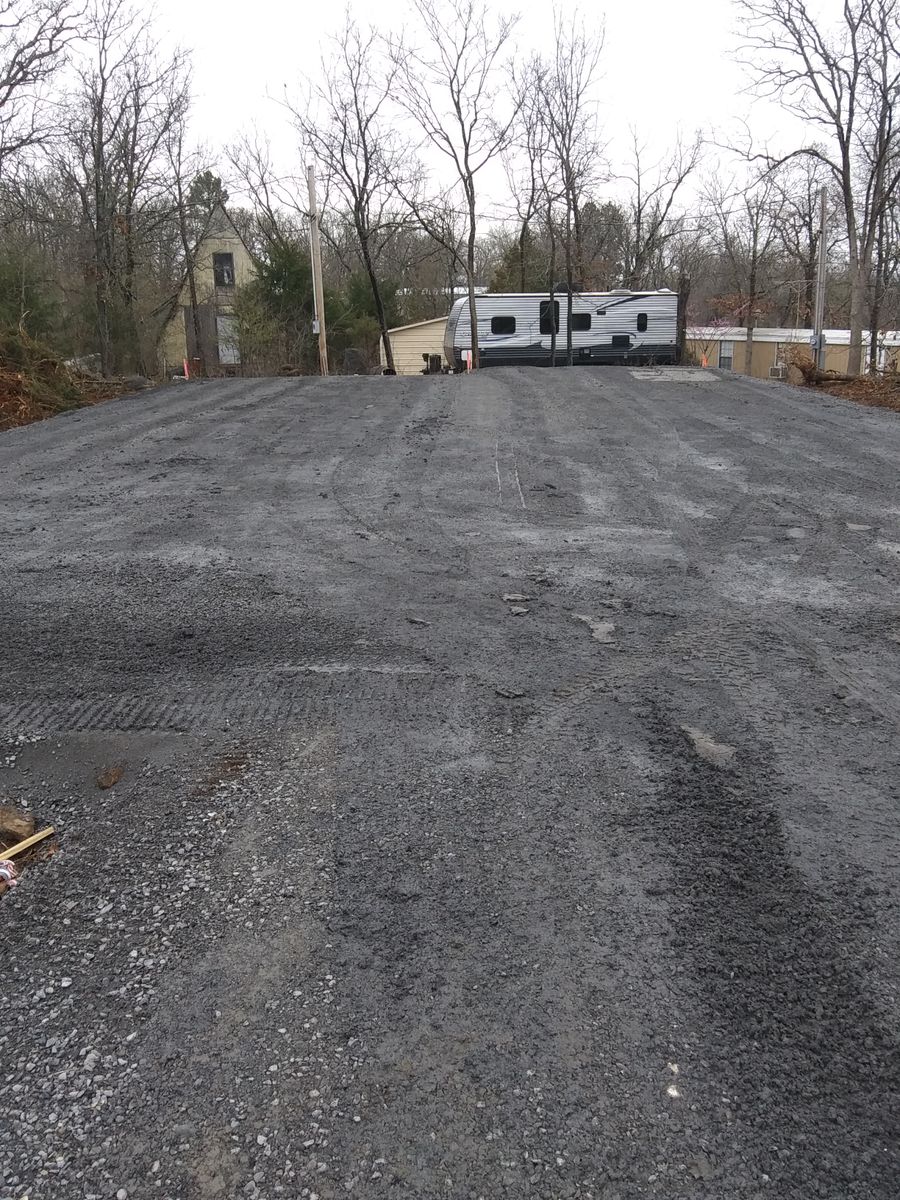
column 363, row 157
column 34, row 36
column 652, row 204
column 885, row 275
column 524, row 156
column 552, row 194
column 280, row 216
column 797, row 186
column 157, row 100
column 450, row 88
column 845, row 85
column 566, row 83
column 184, row 166
column 747, row 228
column 128, row 96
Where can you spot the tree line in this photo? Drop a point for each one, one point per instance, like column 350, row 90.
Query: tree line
column 449, row 161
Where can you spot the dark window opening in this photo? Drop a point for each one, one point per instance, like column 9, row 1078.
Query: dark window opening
column 223, row 270
column 581, row 322
column 642, row 322
column 547, row 322
column 503, row 324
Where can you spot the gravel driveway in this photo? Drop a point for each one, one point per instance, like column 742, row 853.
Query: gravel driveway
column 509, row 802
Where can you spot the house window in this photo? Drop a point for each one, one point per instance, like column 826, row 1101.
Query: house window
column 642, row 322
column 223, row 270
column 581, row 322
column 726, row 356
column 503, row 324
column 547, row 323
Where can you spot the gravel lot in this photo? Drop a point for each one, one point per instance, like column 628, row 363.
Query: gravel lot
column 510, row 792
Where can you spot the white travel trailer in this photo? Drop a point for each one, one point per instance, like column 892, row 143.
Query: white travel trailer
column 514, row 329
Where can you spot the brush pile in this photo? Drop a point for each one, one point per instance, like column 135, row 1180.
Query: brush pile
column 36, row 384
column 876, row 391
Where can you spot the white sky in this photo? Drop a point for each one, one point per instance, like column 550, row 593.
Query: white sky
column 668, row 65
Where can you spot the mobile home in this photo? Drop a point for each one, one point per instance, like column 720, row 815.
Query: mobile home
column 607, row 327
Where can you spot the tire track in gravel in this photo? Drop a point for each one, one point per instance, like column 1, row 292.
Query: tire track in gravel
column 798, row 1041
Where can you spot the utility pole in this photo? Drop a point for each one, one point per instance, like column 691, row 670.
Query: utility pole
column 819, row 334
column 315, row 254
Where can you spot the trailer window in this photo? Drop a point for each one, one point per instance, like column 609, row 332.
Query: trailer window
column 642, row 322
column 503, row 324
column 581, row 322
column 546, row 322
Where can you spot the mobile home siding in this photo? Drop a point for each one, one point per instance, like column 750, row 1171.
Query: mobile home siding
column 769, row 346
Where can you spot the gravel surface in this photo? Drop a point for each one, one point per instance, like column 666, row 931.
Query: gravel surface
column 509, row 794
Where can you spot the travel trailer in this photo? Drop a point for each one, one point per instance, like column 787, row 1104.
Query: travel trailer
column 607, row 327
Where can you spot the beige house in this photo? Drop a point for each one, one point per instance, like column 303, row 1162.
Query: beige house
column 410, row 342
column 726, row 347
column 222, row 264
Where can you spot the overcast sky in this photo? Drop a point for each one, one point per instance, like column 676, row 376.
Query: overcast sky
column 666, row 67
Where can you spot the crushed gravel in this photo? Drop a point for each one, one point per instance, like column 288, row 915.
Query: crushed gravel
column 365, row 889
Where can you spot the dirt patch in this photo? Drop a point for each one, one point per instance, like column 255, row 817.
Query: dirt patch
column 229, row 767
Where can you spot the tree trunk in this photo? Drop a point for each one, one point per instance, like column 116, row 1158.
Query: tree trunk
column 102, row 267
column 878, row 290
column 858, row 289
column 684, row 296
column 552, row 293
column 192, row 284
column 470, row 280
column 874, row 319
column 103, row 336
column 137, row 348
column 523, row 237
column 376, row 296
column 579, row 247
column 751, row 318
column 859, row 275
column 570, row 358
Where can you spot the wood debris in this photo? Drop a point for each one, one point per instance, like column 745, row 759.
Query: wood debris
column 27, row 843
